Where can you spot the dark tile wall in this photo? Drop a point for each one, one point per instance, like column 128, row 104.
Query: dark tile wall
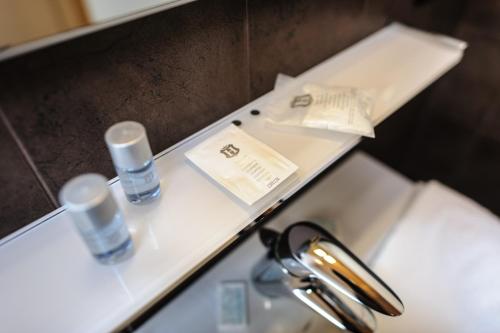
column 21, row 191
column 182, row 69
column 456, row 134
column 441, row 16
column 176, row 72
column 290, row 36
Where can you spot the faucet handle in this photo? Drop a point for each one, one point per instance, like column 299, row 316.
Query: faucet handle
column 338, row 268
column 306, row 250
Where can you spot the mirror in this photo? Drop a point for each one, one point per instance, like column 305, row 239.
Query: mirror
column 26, row 25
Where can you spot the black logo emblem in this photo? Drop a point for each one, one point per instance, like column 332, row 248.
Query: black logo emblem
column 302, row 101
column 230, row 150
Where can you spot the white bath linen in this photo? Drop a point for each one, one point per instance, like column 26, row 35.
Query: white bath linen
column 443, row 260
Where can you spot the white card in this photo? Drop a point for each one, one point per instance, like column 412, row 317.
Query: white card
column 240, row 163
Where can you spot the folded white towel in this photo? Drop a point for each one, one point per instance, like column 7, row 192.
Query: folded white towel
column 443, row 260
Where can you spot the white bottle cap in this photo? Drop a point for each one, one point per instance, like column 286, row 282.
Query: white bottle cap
column 89, row 201
column 128, row 144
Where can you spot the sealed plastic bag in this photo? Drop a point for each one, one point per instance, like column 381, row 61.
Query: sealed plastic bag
column 342, row 109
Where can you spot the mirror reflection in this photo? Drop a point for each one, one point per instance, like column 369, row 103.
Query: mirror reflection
column 23, row 21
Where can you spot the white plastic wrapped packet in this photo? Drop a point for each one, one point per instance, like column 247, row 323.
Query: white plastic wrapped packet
column 281, row 80
column 342, row 109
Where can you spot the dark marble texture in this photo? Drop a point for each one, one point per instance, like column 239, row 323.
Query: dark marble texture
column 22, row 199
column 436, row 146
column 176, row 72
column 290, row 36
column 438, row 149
column 397, row 133
column 455, row 137
column 441, row 16
column 482, row 16
column 479, row 174
column 180, row 70
column 460, row 137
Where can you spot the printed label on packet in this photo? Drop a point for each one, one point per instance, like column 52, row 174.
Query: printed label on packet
column 243, row 165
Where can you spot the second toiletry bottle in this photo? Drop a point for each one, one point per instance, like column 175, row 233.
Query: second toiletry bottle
column 129, row 147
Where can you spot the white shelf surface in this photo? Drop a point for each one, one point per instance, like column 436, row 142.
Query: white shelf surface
column 49, row 281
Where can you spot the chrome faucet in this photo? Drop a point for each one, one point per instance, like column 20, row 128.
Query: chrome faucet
column 309, row 263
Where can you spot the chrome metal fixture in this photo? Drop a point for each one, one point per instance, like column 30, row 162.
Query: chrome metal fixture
column 309, row 263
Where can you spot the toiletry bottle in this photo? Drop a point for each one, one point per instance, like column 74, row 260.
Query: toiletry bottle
column 129, row 147
column 93, row 209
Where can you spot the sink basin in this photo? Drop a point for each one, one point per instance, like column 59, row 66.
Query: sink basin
column 347, row 202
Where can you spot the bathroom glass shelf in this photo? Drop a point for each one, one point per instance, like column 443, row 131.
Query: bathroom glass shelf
column 49, row 281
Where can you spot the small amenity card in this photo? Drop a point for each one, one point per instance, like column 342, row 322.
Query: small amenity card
column 232, row 302
column 240, row 163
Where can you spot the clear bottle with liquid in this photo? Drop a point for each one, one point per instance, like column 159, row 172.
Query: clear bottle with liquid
column 89, row 202
column 129, row 148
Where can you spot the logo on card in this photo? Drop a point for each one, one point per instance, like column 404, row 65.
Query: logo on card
column 302, row 101
column 230, row 150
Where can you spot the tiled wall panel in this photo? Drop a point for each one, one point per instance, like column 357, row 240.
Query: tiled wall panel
column 455, row 136
column 182, row 69
column 176, row 72
column 22, row 197
column 290, row 36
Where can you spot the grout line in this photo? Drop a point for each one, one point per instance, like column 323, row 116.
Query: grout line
column 246, row 34
column 28, row 159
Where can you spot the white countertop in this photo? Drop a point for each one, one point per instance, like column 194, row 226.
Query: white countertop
column 48, row 280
